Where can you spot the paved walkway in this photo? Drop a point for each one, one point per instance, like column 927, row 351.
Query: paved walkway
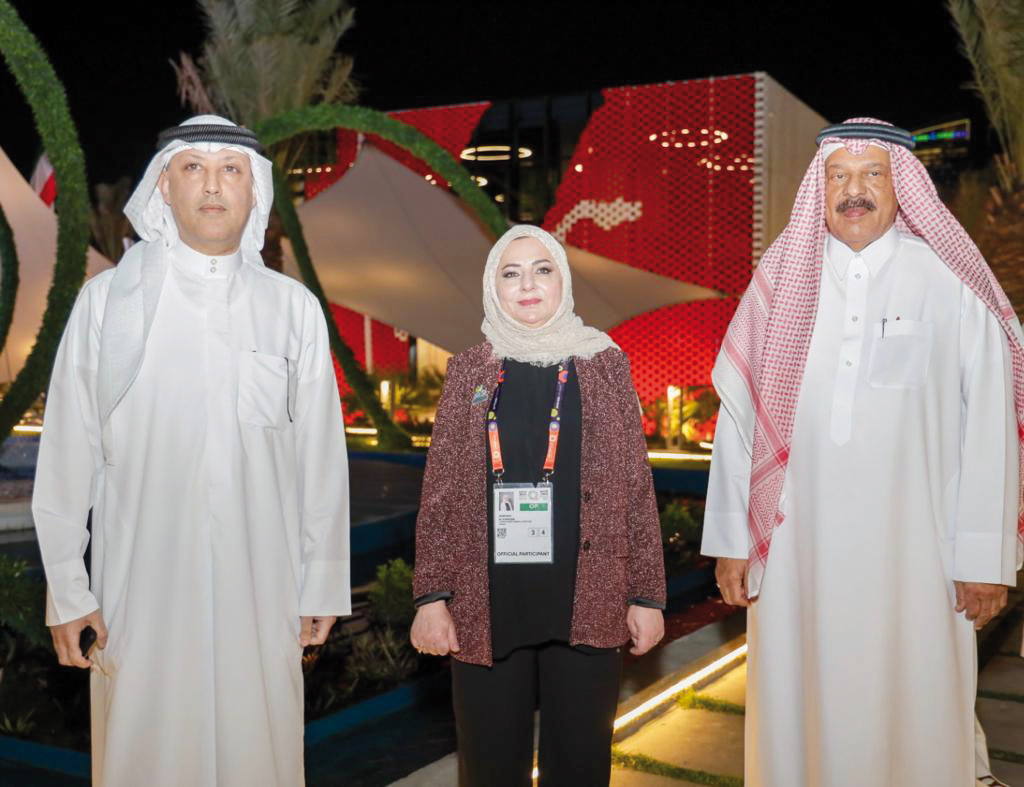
column 709, row 740
column 699, row 740
column 1001, row 706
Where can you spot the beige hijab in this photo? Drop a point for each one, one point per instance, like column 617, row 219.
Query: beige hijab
column 561, row 337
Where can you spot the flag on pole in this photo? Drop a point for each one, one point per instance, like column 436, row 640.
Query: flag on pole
column 43, row 180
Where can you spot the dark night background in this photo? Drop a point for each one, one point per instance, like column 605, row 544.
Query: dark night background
column 902, row 63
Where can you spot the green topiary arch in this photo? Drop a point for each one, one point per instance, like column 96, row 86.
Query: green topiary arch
column 324, row 117
column 45, row 96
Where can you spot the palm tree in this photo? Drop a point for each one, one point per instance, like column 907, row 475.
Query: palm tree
column 262, row 58
column 107, row 222
column 992, row 37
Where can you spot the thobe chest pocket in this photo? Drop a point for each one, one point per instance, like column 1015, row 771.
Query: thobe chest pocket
column 266, row 389
column 900, row 352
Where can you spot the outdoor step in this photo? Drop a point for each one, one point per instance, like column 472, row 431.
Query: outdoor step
column 697, row 739
column 1004, row 674
column 1010, row 772
column 1003, row 722
column 624, row 777
column 731, row 687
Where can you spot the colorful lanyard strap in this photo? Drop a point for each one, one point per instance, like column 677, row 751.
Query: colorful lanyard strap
column 494, row 439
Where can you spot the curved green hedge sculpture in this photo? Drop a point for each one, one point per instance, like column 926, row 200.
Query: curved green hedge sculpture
column 323, row 117
column 45, row 96
column 8, row 277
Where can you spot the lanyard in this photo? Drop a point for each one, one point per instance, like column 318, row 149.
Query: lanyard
column 493, row 438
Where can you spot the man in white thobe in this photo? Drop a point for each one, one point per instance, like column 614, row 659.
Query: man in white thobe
column 868, row 434
column 193, row 409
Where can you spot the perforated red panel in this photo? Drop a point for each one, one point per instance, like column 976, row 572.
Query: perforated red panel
column 676, row 345
column 662, row 180
column 450, row 127
column 350, row 326
column 390, row 351
column 348, row 148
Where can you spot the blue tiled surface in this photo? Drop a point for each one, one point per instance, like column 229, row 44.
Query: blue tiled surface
column 18, row 457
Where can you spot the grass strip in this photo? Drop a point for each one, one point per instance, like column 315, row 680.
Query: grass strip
column 1006, row 696
column 645, row 764
column 691, row 700
column 1006, row 756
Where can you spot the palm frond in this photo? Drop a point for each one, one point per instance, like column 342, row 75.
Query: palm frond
column 262, row 57
column 992, row 40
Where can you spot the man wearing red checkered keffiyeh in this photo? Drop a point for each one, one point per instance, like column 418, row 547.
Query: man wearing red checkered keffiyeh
column 865, row 493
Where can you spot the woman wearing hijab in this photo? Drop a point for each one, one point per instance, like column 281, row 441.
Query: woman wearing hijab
column 535, row 602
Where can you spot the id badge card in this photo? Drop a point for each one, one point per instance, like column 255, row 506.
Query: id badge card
column 523, row 522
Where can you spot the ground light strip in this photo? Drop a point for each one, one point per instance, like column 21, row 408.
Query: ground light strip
column 682, row 685
column 423, row 441
column 678, row 455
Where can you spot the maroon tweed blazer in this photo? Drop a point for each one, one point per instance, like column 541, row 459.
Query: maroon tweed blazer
column 620, row 555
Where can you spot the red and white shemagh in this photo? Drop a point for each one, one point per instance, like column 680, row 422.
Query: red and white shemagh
column 769, row 336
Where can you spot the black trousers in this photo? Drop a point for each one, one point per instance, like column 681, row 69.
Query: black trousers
column 576, row 692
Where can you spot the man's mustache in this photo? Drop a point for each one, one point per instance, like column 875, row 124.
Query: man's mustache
column 855, row 202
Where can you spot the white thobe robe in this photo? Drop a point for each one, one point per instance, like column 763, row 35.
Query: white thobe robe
column 219, row 497
column 902, row 478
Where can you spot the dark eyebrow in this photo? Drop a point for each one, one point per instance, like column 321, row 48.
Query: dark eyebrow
column 541, row 261
column 866, row 165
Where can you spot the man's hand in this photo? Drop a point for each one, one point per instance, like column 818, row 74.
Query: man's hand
column 979, row 601
column 646, row 628
column 314, row 629
column 731, row 576
column 433, row 630
column 66, row 635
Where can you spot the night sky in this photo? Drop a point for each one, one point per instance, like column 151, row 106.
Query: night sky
column 902, row 64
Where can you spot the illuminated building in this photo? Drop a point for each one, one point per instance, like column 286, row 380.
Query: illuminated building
column 944, row 149
column 690, row 180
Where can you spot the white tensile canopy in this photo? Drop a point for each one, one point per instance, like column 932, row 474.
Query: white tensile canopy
column 388, row 244
column 35, row 236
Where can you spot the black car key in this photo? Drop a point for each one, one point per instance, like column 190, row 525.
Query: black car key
column 86, row 640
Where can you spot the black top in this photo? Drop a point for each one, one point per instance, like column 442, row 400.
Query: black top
column 532, row 603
